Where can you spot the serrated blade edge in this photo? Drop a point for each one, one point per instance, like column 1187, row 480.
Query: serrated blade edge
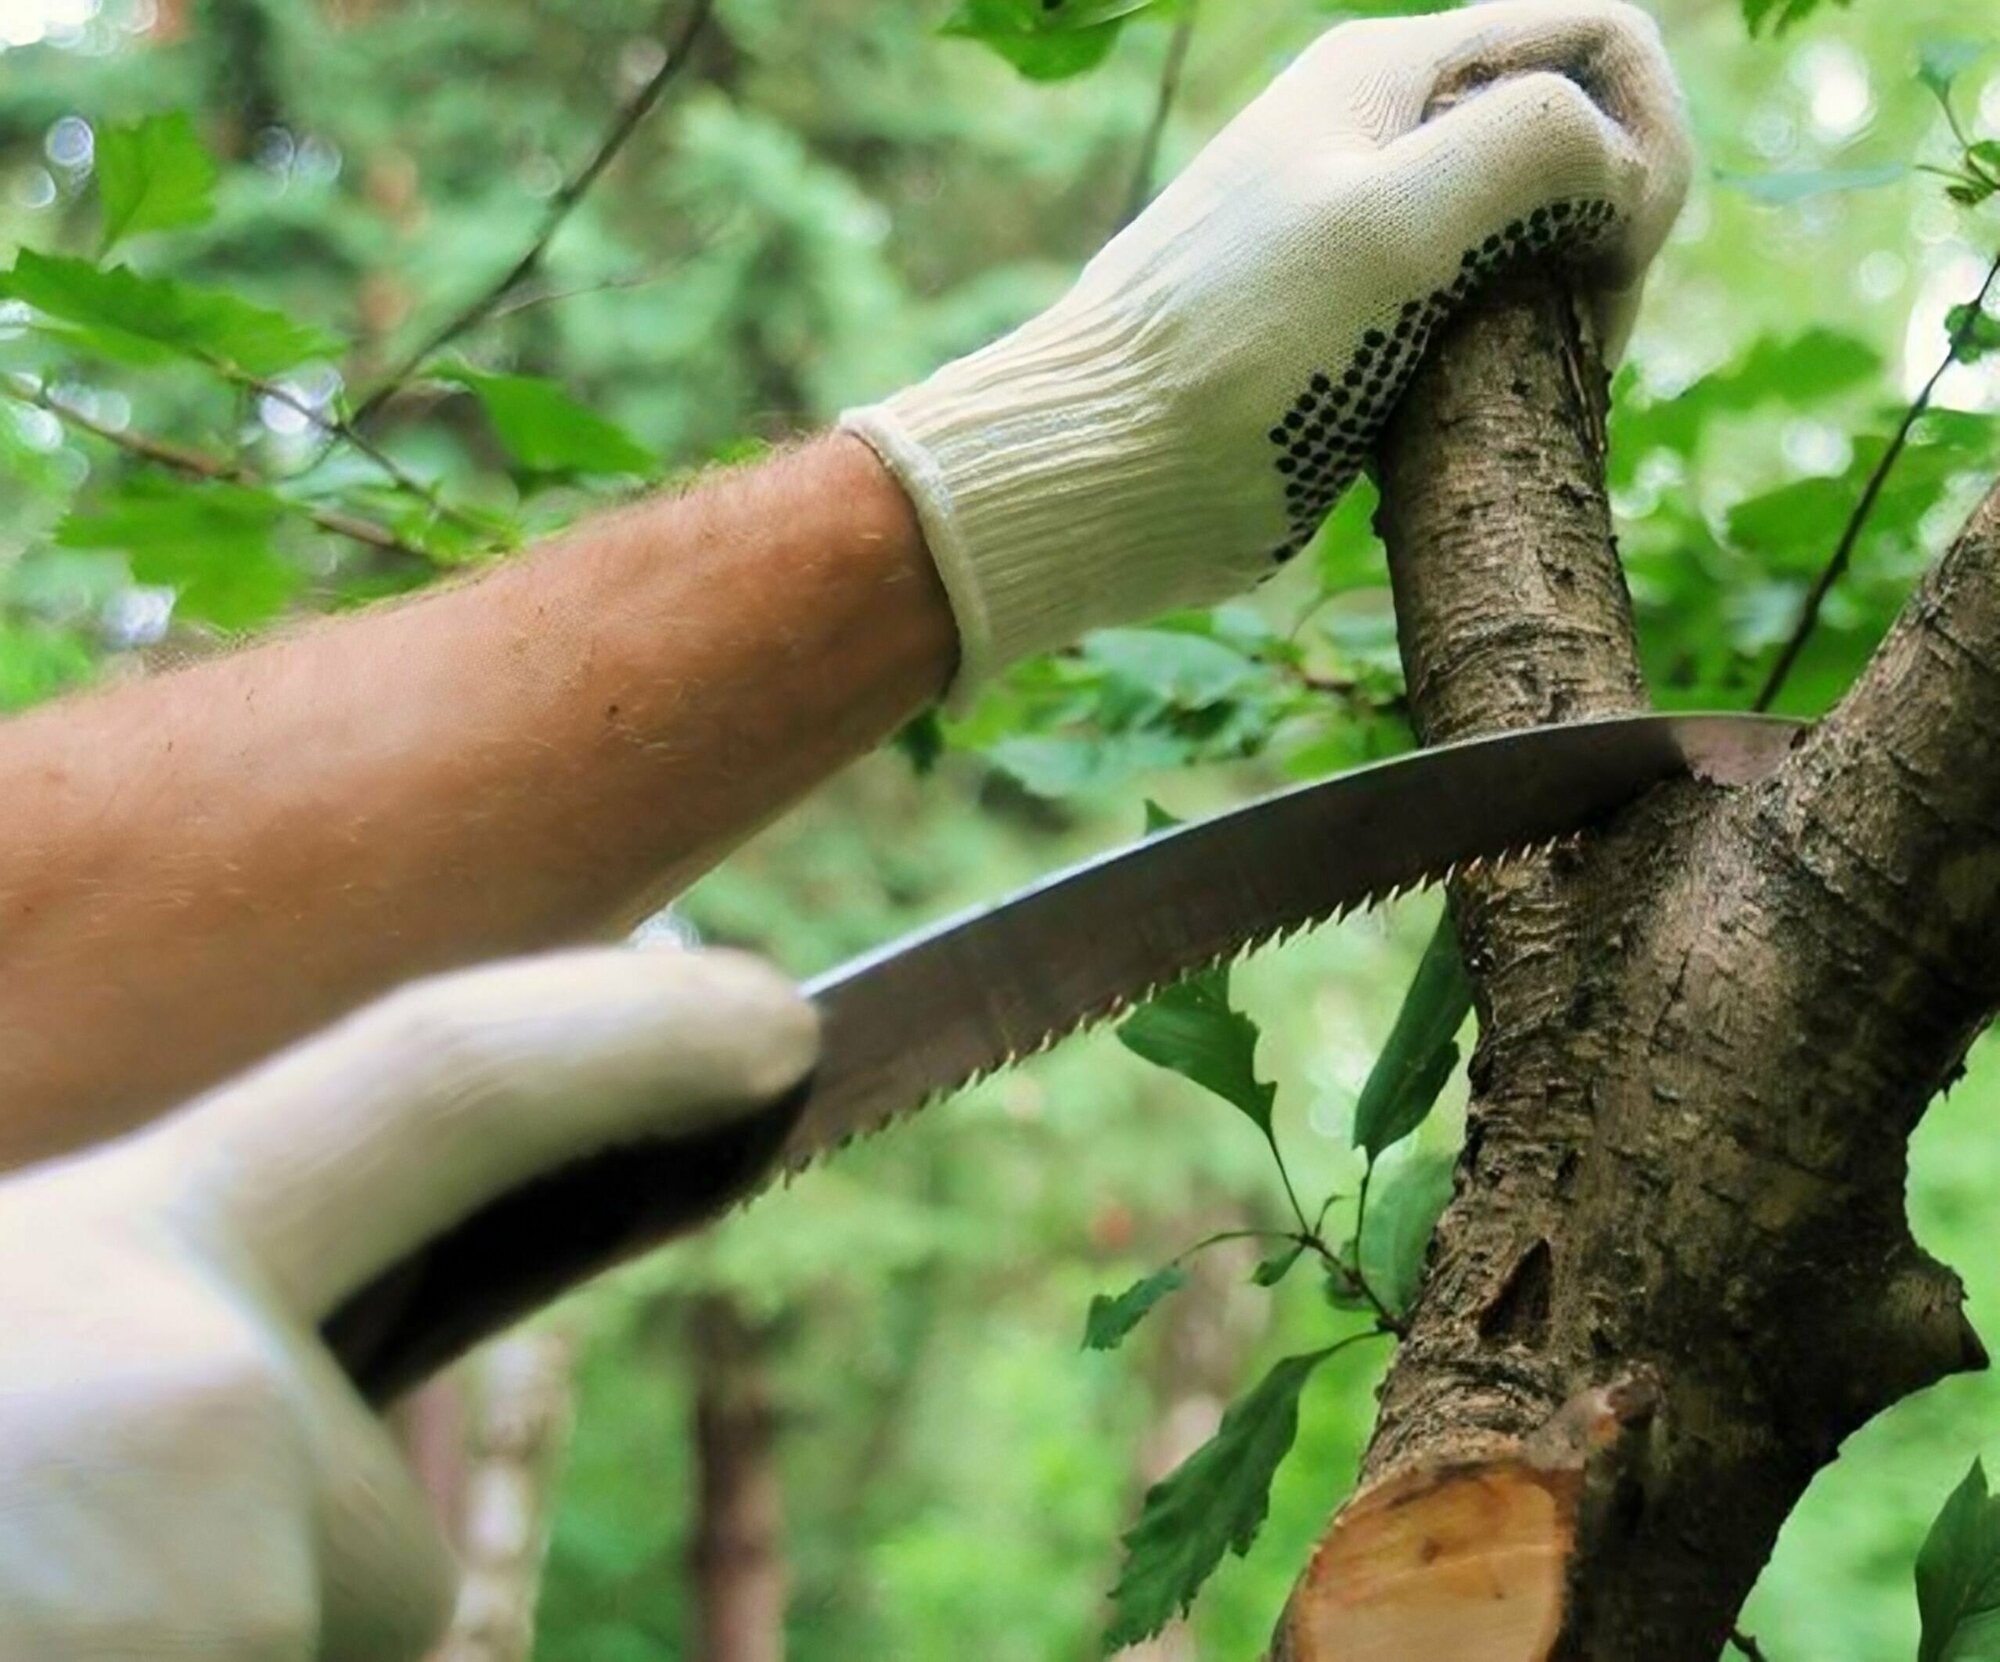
column 930, row 1013
column 918, row 1019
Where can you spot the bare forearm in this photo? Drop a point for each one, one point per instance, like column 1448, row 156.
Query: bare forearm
column 200, row 867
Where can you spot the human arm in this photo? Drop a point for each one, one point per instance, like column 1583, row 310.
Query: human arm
column 200, row 867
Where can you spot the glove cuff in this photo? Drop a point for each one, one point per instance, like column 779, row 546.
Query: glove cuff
column 1031, row 471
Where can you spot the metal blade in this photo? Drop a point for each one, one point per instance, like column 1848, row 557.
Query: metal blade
column 928, row 1014
column 939, row 1008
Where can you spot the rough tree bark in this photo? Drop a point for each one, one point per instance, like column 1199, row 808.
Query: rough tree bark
column 1676, row 1271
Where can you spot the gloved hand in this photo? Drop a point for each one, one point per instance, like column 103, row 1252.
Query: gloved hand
column 183, row 1470
column 1188, row 413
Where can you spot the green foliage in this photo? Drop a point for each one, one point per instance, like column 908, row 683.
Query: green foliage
column 1421, row 1051
column 1214, row 1503
column 1777, row 16
column 1975, row 332
column 1958, row 1577
column 547, row 431
column 1272, row 1270
column 115, row 313
column 1404, row 1204
column 921, row 740
column 152, row 175
column 1112, row 1318
column 37, row 662
column 1046, row 40
column 1940, row 62
column 212, row 542
column 1193, row 1030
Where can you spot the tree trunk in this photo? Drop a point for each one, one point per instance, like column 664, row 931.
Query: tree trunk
column 1676, row 1270
column 736, row 1559
column 515, row 1399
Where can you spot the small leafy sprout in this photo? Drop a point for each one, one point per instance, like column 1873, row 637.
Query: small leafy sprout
column 1216, row 1501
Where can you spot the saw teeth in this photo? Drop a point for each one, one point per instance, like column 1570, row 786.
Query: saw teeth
column 1479, row 866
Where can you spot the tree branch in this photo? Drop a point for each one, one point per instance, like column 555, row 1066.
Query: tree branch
column 1850, row 535
column 198, row 464
column 565, row 201
column 1676, row 1271
column 1141, row 189
column 344, row 432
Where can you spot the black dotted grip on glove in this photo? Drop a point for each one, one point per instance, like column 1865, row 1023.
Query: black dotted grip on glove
column 1330, row 431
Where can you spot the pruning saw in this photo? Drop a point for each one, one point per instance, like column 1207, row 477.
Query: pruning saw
column 918, row 1019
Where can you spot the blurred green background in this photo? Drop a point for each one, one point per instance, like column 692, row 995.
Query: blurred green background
column 835, row 197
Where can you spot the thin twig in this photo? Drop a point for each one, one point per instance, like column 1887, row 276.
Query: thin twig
column 198, row 464
column 1747, row 1645
column 1170, row 85
column 343, row 432
column 553, row 297
column 560, row 207
column 1857, row 522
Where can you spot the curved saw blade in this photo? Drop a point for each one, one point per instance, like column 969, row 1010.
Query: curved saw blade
column 919, row 1018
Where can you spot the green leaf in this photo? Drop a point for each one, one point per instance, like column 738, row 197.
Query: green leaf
column 1215, row 1501
column 1792, row 527
column 1941, row 62
column 211, row 542
column 1420, row 1053
column 1403, row 1209
column 1046, row 40
column 1060, row 765
column 120, row 315
column 547, row 431
column 1800, row 185
column 1958, row 1577
column 921, row 740
column 38, row 662
column 1191, row 1029
column 1270, row 1271
column 1158, row 819
column 1973, row 334
column 152, row 175
column 1110, row 1319
column 1185, row 670
column 1780, row 14
column 1342, row 1284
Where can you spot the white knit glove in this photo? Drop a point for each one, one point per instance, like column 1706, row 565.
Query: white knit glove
column 1188, row 413
column 184, row 1472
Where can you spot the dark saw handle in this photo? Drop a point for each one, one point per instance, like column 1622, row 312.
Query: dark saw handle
column 524, row 1250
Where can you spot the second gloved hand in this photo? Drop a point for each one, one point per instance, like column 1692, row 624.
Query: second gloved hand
column 1185, row 417
column 184, row 1470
